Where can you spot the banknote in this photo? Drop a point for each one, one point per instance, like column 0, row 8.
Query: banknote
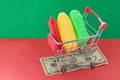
column 73, row 61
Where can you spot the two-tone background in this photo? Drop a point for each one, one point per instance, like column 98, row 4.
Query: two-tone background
column 23, row 38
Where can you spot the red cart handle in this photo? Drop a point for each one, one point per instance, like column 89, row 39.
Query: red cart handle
column 103, row 25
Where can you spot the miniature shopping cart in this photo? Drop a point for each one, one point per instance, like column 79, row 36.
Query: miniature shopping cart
column 80, row 49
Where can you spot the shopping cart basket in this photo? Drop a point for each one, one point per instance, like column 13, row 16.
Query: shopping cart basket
column 80, row 49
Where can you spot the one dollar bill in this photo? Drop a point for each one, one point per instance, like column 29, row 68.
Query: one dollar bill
column 72, row 61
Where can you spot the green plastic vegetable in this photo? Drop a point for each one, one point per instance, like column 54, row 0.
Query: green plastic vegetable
column 79, row 26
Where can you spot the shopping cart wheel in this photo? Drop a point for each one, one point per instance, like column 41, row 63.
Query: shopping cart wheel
column 92, row 64
column 63, row 69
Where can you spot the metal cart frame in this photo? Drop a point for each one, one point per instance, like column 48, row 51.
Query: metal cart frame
column 93, row 39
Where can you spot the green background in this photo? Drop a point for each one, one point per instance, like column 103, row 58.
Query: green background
column 29, row 18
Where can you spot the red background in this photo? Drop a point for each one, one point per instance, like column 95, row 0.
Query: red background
column 19, row 60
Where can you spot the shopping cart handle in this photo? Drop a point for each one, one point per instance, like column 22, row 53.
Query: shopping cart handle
column 87, row 10
column 103, row 25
